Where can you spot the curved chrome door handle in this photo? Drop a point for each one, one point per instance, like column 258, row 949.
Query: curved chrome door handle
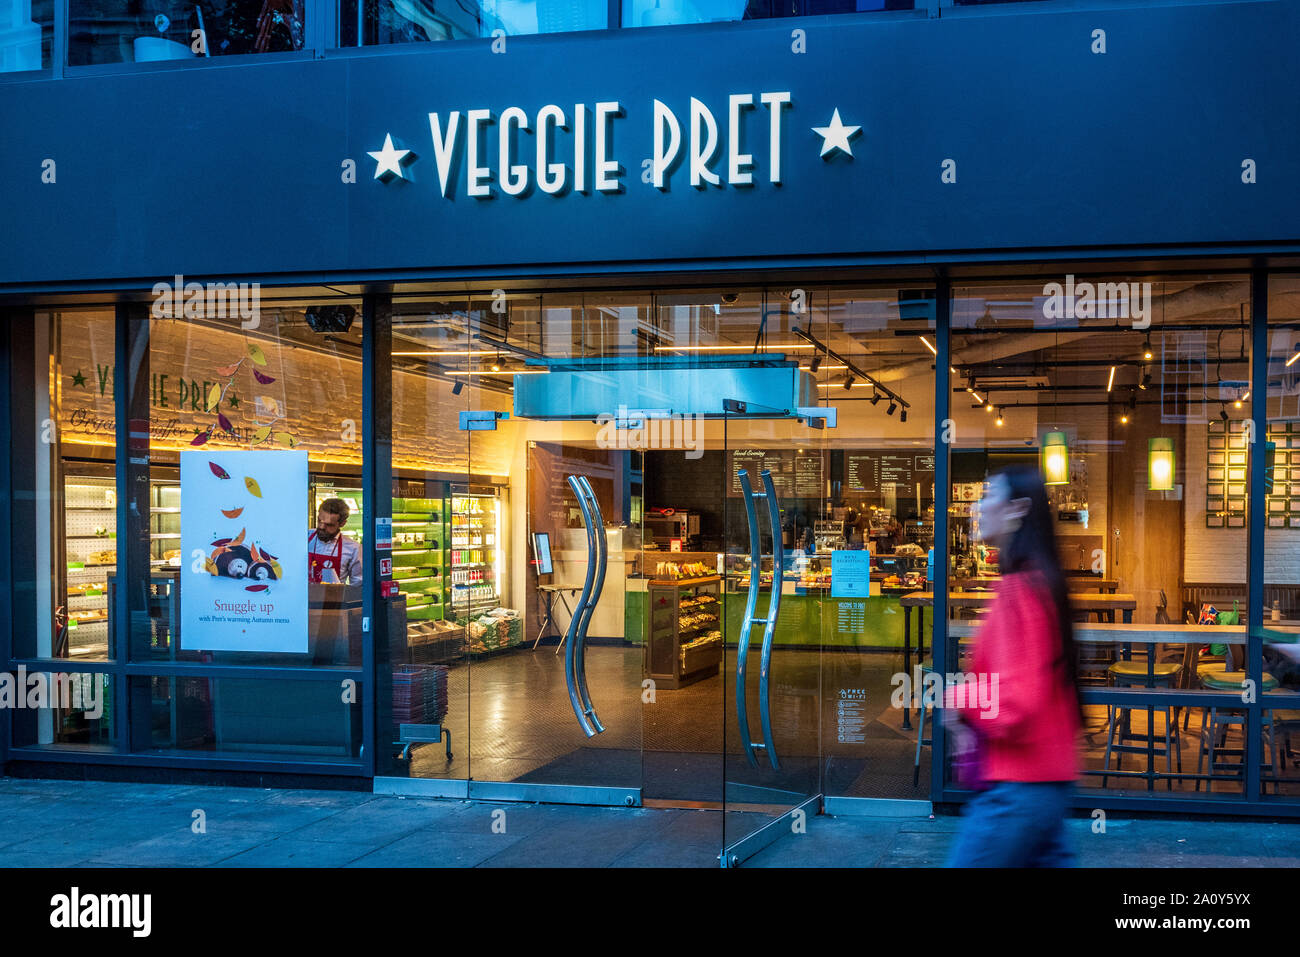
column 747, row 623
column 769, row 632
column 571, row 642
column 602, row 561
column 750, row 621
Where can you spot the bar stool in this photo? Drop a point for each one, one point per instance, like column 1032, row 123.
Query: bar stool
column 1119, row 728
column 1218, row 726
column 927, row 667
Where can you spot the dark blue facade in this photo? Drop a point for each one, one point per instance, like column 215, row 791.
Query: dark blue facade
column 226, row 170
column 998, row 134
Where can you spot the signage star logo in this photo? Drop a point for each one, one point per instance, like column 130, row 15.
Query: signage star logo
column 389, row 160
column 834, row 137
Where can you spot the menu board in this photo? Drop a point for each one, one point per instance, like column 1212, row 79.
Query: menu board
column 881, row 471
column 794, row 474
column 863, row 471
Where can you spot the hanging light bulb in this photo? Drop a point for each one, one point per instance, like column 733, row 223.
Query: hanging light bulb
column 1160, row 464
column 1123, row 419
column 999, row 419
column 1056, row 459
column 1146, row 349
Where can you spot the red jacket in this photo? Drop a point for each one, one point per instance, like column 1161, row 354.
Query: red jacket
column 1029, row 726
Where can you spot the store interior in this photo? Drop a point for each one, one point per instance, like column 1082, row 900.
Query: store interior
column 492, row 543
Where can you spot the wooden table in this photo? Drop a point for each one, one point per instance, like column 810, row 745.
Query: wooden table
column 1072, row 582
column 1105, row 605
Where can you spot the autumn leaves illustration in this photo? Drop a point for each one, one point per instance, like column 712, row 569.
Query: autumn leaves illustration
column 239, row 557
column 265, row 405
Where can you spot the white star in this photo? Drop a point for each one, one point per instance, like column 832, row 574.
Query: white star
column 837, row 135
column 389, row 159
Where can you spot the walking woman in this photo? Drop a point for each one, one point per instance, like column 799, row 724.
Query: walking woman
column 1026, row 743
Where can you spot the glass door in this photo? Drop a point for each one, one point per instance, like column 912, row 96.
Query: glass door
column 777, row 573
column 545, row 554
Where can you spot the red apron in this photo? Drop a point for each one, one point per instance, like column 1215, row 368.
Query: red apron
column 316, row 564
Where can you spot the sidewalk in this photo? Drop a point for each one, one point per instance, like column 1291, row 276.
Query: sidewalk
column 95, row 823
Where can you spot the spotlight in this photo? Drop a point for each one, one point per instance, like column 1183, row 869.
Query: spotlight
column 893, row 407
column 999, row 418
column 1146, row 380
column 455, row 389
column 1223, row 413
column 902, row 416
column 988, row 407
column 330, row 318
column 875, row 398
column 1146, row 349
column 848, row 380
column 729, row 298
column 815, row 364
column 1123, row 419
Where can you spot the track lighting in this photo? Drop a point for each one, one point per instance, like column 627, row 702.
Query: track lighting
column 875, row 398
column 1223, row 412
column 455, row 389
column 988, row 406
column 902, row 416
column 893, row 407
column 1146, row 379
column 815, row 364
column 848, row 380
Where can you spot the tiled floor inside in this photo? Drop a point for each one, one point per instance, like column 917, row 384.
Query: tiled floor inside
column 510, row 719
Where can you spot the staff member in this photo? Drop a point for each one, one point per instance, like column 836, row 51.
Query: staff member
column 332, row 557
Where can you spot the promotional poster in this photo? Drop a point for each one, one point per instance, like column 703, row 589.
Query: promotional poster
column 244, row 535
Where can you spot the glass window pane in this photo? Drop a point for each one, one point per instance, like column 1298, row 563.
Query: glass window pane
column 63, row 709
column 1281, row 611
column 244, row 717
column 657, row 13
column 117, row 31
column 26, row 33
column 371, row 22
column 1130, row 396
column 260, row 401
column 62, row 467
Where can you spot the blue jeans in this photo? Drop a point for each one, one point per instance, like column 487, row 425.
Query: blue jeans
column 1015, row 824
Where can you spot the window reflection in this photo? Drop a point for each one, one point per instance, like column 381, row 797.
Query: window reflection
column 124, row 31
column 26, row 30
column 417, row 21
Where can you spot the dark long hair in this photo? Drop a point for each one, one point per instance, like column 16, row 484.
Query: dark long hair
column 1032, row 547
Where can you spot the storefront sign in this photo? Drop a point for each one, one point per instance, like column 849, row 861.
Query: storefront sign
column 692, row 140
column 245, row 551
